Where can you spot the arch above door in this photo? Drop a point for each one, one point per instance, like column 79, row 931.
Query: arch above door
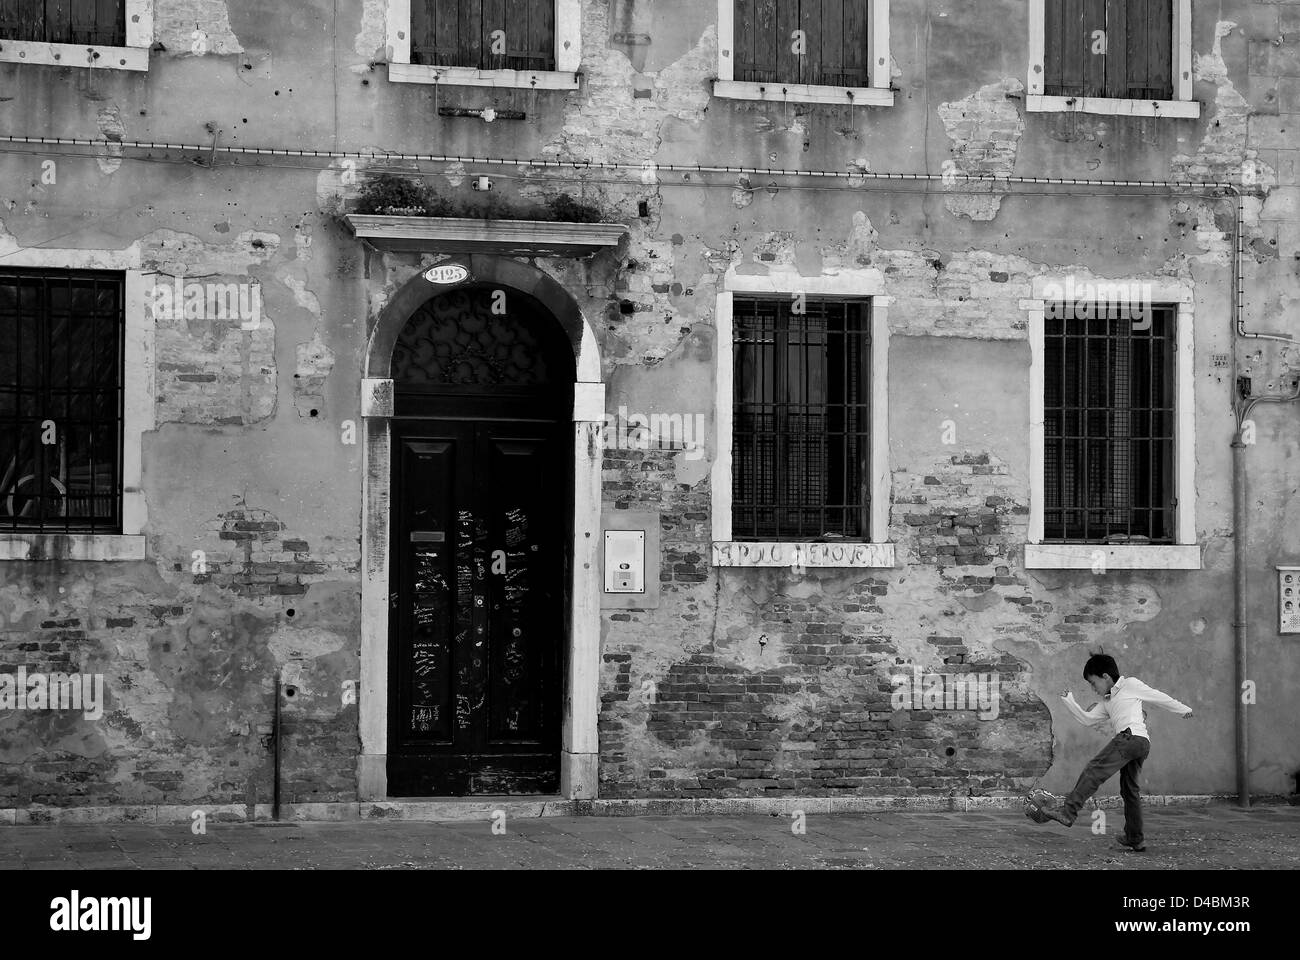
column 579, row 741
column 482, row 268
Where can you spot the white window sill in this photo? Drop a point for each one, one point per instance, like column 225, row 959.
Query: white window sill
column 803, row 93
column 1087, row 556
column 792, row 554
column 1185, row 109
column 74, row 55
column 473, row 77
column 71, row 546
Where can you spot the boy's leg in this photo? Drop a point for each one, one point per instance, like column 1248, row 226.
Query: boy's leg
column 1131, row 790
column 1112, row 758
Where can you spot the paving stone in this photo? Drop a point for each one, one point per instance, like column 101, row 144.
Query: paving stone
column 1214, row 837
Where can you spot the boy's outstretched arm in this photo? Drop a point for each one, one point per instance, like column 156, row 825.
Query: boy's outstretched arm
column 1154, row 697
column 1089, row 718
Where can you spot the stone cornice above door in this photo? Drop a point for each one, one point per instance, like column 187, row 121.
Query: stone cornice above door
column 528, row 238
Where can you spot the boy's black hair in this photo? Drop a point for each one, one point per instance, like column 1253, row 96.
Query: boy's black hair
column 1100, row 665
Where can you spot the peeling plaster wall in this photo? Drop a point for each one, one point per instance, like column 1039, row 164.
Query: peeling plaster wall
column 248, row 462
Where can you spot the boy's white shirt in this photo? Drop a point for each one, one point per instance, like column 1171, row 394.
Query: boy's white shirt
column 1122, row 707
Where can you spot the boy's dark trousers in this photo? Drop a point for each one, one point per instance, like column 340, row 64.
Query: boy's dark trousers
column 1123, row 755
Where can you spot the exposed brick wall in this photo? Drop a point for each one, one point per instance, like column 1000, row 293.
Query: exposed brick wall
column 247, row 551
column 818, row 719
column 188, row 698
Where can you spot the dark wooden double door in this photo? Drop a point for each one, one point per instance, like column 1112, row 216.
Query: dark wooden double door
column 476, row 614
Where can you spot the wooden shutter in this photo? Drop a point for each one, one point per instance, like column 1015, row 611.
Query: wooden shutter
column 1137, row 64
column 787, row 61
column 58, row 21
column 458, row 33
column 854, row 42
column 835, row 34
column 755, row 40
column 1093, row 64
column 90, row 22
column 1066, row 45
column 1148, row 68
column 20, row 19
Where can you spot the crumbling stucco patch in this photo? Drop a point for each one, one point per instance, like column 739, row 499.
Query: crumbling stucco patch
column 184, row 254
column 985, row 130
column 314, row 363
column 1223, row 150
column 113, row 131
column 610, row 125
column 373, row 36
column 194, row 28
column 213, row 369
column 1223, row 153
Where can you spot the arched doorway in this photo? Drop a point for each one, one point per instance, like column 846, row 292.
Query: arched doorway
column 581, row 660
column 480, row 516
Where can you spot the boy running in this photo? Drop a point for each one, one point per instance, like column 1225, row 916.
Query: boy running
column 1121, row 710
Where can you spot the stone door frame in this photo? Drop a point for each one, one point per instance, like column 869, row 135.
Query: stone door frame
column 579, row 750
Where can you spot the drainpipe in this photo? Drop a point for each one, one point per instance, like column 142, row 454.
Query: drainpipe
column 275, row 732
column 1239, row 496
column 1239, row 613
column 1239, row 636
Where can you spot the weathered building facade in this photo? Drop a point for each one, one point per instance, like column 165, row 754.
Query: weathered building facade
column 908, row 348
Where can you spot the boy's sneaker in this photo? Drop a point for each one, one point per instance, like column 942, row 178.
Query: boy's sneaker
column 1128, row 844
column 1043, row 806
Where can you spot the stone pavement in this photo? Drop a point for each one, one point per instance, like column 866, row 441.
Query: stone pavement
column 1215, row 837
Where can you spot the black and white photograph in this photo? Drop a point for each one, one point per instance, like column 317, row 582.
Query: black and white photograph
column 820, row 437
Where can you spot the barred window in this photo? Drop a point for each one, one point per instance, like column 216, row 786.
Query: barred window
column 800, row 428
column 1109, row 48
column 99, row 23
column 820, row 42
column 485, row 34
column 61, row 345
column 1109, row 416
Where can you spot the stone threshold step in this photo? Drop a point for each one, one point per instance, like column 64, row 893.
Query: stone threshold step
column 483, row 808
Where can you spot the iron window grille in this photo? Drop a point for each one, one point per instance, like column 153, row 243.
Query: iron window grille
column 1109, row 48
column 484, row 34
column 1109, row 430
column 61, row 368
column 801, row 419
column 99, row 23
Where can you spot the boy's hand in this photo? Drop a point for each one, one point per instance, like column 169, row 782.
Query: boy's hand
column 1066, row 694
column 1187, row 715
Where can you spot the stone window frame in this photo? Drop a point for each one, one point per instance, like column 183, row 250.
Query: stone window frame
column 877, row 550
column 1182, row 106
column 879, row 94
column 133, row 56
column 138, row 412
column 1185, row 552
column 568, row 55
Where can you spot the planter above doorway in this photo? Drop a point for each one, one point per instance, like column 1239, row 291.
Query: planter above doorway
column 526, row 238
